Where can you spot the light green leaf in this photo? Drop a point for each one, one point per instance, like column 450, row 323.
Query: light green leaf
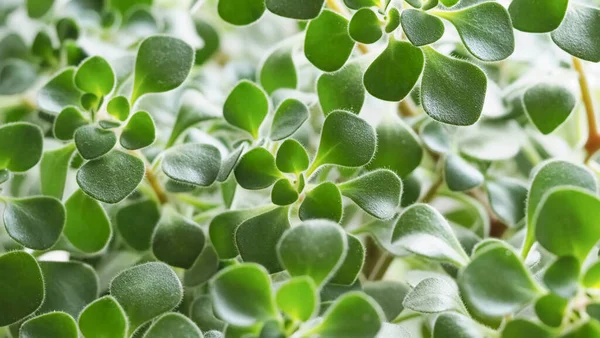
column 322, row 258
column 590, row 328
column 537, row 16
column 118, row 107
column 95, row 75
column 394, row 73
column 139, row 131
column 298, row 298
column 38, row 8
column 19, row 269
column 452, row 90
column 59, row 92
column 327, row 44
column 291, row 157
column 211, row 39
column 136, row 223
column 548, row 106
column 283, row 193
column 460, row 175
column 348, row 272
column 377, row 192
column 577, row 34
column 53, row 170
column 507, row 199
column 365, row 27
column 591, row 278
column 243, row 304
column 103, row 318
column 322, row 202
column 300, row 10
column 53, row 324
column 67, row 122
column 246, row 107
column 434, row 295
column 123, row 6
column 392, row 20
column 521, row 328
column 550, row 309
column 93, row 142
column 256, row 170
column 450, row 325
column 421, row 28
column 241, row 12
column 289, row 117
column 193, row 163
column 70, row 286
column 278, row 70
column 173, row 325
column 111, row 177
column 21, row 146
column 87, row 228
column 342, row 90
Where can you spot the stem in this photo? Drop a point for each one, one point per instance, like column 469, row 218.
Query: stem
column 380, row 268
column 158, row 190
column 406, row 317
column 593, row 141
column 407, row 107
column 334, row 6
column 432, row 192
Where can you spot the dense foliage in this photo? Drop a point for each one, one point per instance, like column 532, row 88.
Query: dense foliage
column 355, row 168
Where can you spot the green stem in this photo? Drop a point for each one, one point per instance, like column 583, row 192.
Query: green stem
column 406, row 317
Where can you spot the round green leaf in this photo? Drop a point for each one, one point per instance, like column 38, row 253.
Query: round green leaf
column 327, row 44
column 298, row 298
column 203, row 315
column 348, row 272
column 394, row 73
column 136, row 223
column 521, row 328
column 392, row 20
column 21, row 146
column 205, row 266
column 434, row 295
column 87, row 228
column 246, row 107
column 342, row 90
column 173, row 325
column 591, row 278
column 590, row 328
column 21, row 286
column 123, row 6
column 322, row 258
column 550, row 309
column 95, row 75
column 323, row 202
column 358, row 4
column 537, row 16
column 256, row 170
column 67, row 122
column 242, row 295
column 485, row 29
column 377, row 192
column 364, row 26
column 460, row 175
column 16, row 76
column 283, row 193
column 389, row 295
column 67, row 29
column 162, row 64
column 421, row 28
column 300, row 10
column 278, row 70
column 139, row 131
column 59, row 92
column 548, row 106
column 507, row 199
column 111, row 177
column 93, row 142
column 450, row 325
column 177, row 241
column 452, row 90
column 53, row 170
column 38, row 8
column 146, row 291
column 193, row 163
column 289, row 117
column 230, row 162
column 103, row 318
column 562, row 277
column 291, row 157
column 241, row 12
column 578, row 33
column 34, row 222
column 53, row 324
column 118, row 107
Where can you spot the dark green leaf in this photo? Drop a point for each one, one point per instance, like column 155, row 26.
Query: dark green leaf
column 377, row 192
column 59, row 92
column 103, row 318
column 70, row 286
column 507, row 199
column 521, row 328
column 241, row 12
column 202, row 313
column 38, row 8
column 87, row 228
column 300, row 10
column 173, row 325
column 139, row 131
column 548, row 106
column 357, row 4
column 53, row 324
column 205, row 266
column 95, row 76
column 577, row 34
column 550, row 309
column 451, row 325
column 434, row 295
column 193, row 163
column 327, row 44
column 389, row 295
column 562, row 277
column 22, row 286
column 230, row 162
column 16, row 76
column 21, row 146
column 53, row 170
column 67, row 122
column 392, row 20
column 136, row 223
column 257, row 170
column 210, row 36
column 421, row 28
column 246, row 107
column 323, row 202
column 289, row 117
column 364, row 26
column 537, row 16
column 278, row 70
column 93, row 142
column 342, row 90
column 348, row 272
column 460, row 175
column 283, row 193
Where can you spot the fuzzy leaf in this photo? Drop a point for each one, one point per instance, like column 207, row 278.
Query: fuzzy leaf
column 289, row 117
column 19, row 269
column 377, row 192
column 21, row 146
column 67, row 122
column 300, row 10
column 322, row 202
column 174, row 325
column 342, row 90
column 103, row 318
column 278, row 71
column 246, row 107
column 95, row 75
column 241, row 12
column 257, row 170
column 421, row 28
column 177, row 240
column 53, row 324
column 191, row 163
column 139, row 131
column 327, row 44
column 537, row 16
column 364, row 26
column 578, row 33
column 87, row 228
column 136, row 223
column 93, row 142
column 298, row 298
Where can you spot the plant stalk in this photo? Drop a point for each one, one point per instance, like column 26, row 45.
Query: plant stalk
column 593, row 142
column 155, row 185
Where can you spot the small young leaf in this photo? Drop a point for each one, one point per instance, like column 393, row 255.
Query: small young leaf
column 364, row 26
column 177, row 241
column 21, row 146
column 460, row 175
column 299, row 10
column 323, row 202
column 322, row 258
column 59, row 92
column 283, row 193
column 19, row 269
column 257, row 170
column 392, row 20
column 146, row 291
column 394, row 73
column 551, row 309
column 67, row 29
column 53, row 324
column 93, row 142
column 377, row 192
column 87, row 228
column 291, row 157
column 38, row 8
column 193, row 163
column 421, row 28
column 34, row 222
column 537, row 16
column 577, row 34
column 562, row 277
column 95, row 75
column 327, row 44
column 136, row 223
column 348, row 272
column 298, row 298
column 70, row 286
column 173, row 325
column 243, row 304
column 241, row 12
column 507, row 199
column 118, row 107
column 111, row 177
column 548, row 106
column 289, row 117
column 450, row 325
column 139, row 131
column 434, row 295
column 342, row 90
column 103, row 318
column 452, row 90
column 246, row 107
column 211, row 39
column 67, row 122
column 162, row 64
column 278, row 70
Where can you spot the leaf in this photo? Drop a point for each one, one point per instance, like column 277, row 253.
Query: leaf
column 591, row 278
column 16, row 76
column 577, row 34
column 246, row 107
column 70, row 286
column 93, row 142
column 59, row 92
column 563, row 224
column 177, row 240
column 53, row 170
column 323, row 202
column 211, row 39
column 357, row 4
column 452, row 90
column 548, row 106
column 19, row 269
column 193, row 163
column 537, row 17
column 87, row 227
column 460, row 175
column 521, row 328
column 394, row 73
column 205, row 266
column 194, row 109
column 241, row 12
column 300, row 10
column 146, row 291
column 322, row 258
column 346, row 140
column 421, row 28
column 256, row 170
column 348, row 272
column 398, row 148
column 327, row 44
column 507, row 199
column 173, row 324
column 298, row 298
column 162, row 64
column 562, row 277
column 291, row 157
column 389, row 295
column 103, row 318
column 289, row 117
column 243, row 303
column 392, row 20
column 21, row 146
column 590, row 328
column 67, row 122
column 136, row 223
column 230, row 162
column 283, row 193
column 364, row 26
column 550, row 309
column 436, row 136
column 202, row 313
column 450, row 325
column 34, row 222
column 342, row 90
column 353, row 314
column 67, row 29
column 278, row 70
column 53, row 324
column 377, row 192
column 38, row 8
column 482, row 283
column 434, row 295
column 118, row 107
column 423, row 230
column 111, row 177
column 95, row 75
column 485, row 29
column 139, row 131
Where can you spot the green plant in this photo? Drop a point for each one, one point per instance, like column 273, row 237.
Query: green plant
column 363, row 168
